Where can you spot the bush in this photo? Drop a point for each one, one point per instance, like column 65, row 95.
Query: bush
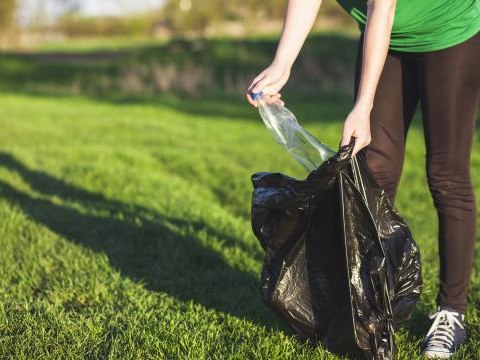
column 74, row 26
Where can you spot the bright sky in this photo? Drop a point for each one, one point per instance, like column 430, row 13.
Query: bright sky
column 49, row 10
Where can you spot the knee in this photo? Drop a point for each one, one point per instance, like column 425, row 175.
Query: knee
column 450, row 188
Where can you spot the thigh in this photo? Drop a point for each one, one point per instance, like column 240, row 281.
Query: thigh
column 394, row 105
column 450, row 90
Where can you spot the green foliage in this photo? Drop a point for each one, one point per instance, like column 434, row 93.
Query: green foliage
column 193, row 17
column 183, row 15
column 7, row 12
column 75, row 26
column 190, row 18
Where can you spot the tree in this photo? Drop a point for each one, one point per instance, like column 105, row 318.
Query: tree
column 7, row 14
column 193, row 15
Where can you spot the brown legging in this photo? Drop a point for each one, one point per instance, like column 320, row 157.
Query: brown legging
column 447, row 84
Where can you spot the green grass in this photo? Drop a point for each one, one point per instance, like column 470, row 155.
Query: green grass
column 125, row 232
column 125, row 217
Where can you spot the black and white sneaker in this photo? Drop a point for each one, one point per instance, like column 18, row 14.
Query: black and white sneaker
column 446, row 334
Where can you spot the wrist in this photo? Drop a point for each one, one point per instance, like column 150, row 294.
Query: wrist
column 364, row 104
column 283, row 64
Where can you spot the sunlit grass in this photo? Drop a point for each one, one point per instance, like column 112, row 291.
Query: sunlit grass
column 125, row 230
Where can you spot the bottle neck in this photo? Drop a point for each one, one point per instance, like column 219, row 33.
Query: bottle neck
column 256, row 96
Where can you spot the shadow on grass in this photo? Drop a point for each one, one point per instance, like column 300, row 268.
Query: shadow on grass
column 326, row 59
column 419, row 323
column 223, row 69
column 162, row 252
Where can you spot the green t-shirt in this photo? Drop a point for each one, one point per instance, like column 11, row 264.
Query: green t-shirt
column 425, row 25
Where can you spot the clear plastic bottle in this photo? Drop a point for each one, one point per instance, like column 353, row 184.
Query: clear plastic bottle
column 302, row 145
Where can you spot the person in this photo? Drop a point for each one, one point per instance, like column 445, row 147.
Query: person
column 411, row 52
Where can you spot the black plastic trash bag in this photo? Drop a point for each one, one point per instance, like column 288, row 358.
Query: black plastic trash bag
column 341, row 266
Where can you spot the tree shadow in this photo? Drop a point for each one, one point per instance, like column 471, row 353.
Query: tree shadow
column 163, row 253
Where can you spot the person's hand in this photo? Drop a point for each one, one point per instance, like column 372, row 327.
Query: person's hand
column 357, row 125
column 269, row 82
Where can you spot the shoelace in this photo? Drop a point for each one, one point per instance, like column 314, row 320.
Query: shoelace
column 441, row 330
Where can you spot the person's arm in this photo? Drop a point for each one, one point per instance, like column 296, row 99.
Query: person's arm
column 378, row 29
column 299, row 18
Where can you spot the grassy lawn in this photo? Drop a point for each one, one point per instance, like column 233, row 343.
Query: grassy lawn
column 125, row 227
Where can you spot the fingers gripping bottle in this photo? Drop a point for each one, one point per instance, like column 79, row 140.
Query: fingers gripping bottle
column 286, row 130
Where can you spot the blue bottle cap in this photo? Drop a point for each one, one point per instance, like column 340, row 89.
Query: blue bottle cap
column 256, row 96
